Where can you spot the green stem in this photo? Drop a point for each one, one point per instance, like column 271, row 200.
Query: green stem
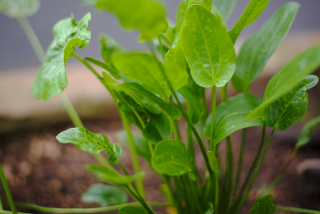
column 87, row 65
column 191, row 153
column 9, row 212
column 195, row 196
column 205, row 113
column 7, row 190
column 240, row 160
column 297, row 210
column 84, row 210
column 134, row 154
column 213, row 114
column 256, row 172
column 175, row 197
column 283, row 171
column 32, row 37
column 229, row 177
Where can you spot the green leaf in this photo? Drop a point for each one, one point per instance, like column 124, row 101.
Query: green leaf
column 290, row 108
column 19, row 8
column 148, row 70
column 207, row 48
column 112, row 70
column 230, row 116
column 225, row 7
column 140, row 143
column 192, row 176
column 132, row 210
column 111, row 176
column 213, row 161
column 146, row 16
column 305, row 135
column 258, row 48
column 108, row 48
column 181, row 13
column 210, row 210
column 91, row 142
column 288, row 76
column 217, row 14
column 195, row 109
column 170, row 157
column 263, row 205
column 104, row 195
column 170, row 110
column 68, row 34
column 250, row 14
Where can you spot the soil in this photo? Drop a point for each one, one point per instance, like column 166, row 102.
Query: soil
column 42, row 171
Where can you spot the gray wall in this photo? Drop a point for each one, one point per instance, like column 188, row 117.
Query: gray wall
column 15, row 50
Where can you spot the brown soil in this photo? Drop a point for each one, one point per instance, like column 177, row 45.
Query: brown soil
column 44, row 172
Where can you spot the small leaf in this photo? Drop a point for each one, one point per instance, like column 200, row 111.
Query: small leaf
column 250, row 14
column 213, row 161
column 140, row 143
column 19, row 8
column 210, row 210
column 91, row 142
column 144, row 15
column 230, row 116
column 68, row 34
column 258, row 48
column 290, row 108
column 207, row 48
column 148, row 70
column 285, row 79
column 108, row 48
column 170, row 157
column 195, row 109
column 305, row 135
column 192, row 176
column 111, row 176
column 132, row 210
column 225, row 7
column 263, row 205
column 104, row 195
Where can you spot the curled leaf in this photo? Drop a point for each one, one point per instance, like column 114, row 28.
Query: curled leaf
column 305, row 135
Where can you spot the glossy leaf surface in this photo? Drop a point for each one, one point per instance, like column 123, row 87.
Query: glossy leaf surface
column 288, row 76
column 207, row 48
column 104, row 195
column 258, row 48
column 231, row 116
column 263, row 205
column 290, row 108
column 225, row 7
column 170, row 157
column 113, row 177
column 305, row 135
column 147, row 70
column 68, row 34
column 250, row 14
column 140, row 143
column 91, row 142
column 132, row 210
column 19, row 8
column 146, row 16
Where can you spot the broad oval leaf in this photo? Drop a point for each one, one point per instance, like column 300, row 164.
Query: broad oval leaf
column 207, row 48
column 290, row 108
column 19, row 8
column 144, row 15
column 263, row 205
column 68, row 34
column 258, row 48
column 111, row 176
column 91, row 142
column 104, row 195
column 225, row 7
column 132, row 210
column 148, row 70
column 250, row 14
column 305, row 135
column 287, row 77
column 230, row 116
column 140, row 143
column 170, row 157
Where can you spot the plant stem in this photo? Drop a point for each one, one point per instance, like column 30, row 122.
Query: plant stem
column 175, row 197
column 195, row 196
column 191, row 153
column 7, row 190
column 32, row 37
column 297, row 210
column 280, row 175
column 9, row 212
column 213, row 111
column 205, row 113
column 256, row 172
column 84, row 210
column 229, row 177
column 134, row 154
column 240, row 160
